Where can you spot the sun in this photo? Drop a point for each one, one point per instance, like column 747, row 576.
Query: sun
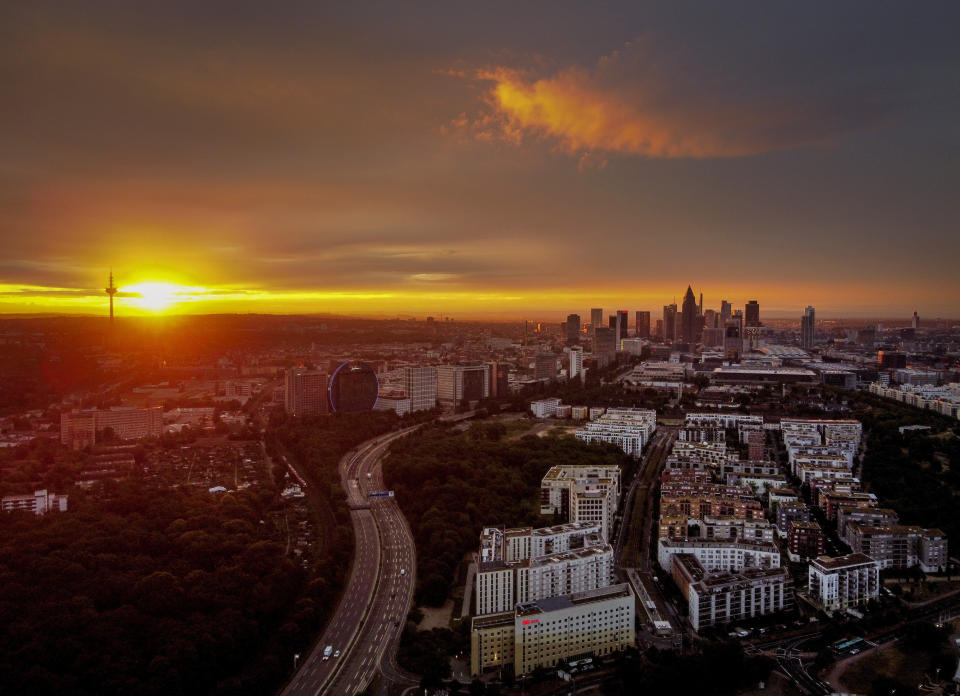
column 153, row 296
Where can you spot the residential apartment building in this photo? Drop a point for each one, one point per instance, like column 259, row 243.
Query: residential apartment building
column 544, row 408
column 900, row 546
column 805, row 540
column 843, row 582
column 557, row 485
column 628, row 428
column 720, row 599
column 39, row 503
column 80, row 429
column 720, row 555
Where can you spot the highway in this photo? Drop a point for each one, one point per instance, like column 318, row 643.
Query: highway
column 366, row 626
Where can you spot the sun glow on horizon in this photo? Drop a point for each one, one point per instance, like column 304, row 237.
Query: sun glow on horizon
column 157, row 296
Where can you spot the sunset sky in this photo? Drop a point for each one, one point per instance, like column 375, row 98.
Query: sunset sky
column 480, row 159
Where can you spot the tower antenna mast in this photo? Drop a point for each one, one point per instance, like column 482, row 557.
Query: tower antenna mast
column 111, row 291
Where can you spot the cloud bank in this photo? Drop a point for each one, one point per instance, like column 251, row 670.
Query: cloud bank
column 669, row 102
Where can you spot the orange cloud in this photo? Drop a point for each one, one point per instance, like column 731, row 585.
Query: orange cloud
column 644, row 101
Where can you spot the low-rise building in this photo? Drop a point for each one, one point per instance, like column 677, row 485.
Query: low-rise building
column 39, row 503
column 544, row 408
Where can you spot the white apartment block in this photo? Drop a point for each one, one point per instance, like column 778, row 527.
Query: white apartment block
column 499, row 586
column 420, row 386
column 843, row 582
column 714, row 527
column 594, row 502
column 944, row 400
column 628, row 428
column 720, row 599
column 525, row 564
column 79, row 429
column 558, row 482
column 719, row 555
column 598, row 622
column 521, row 543
column 544, row 408
column 576, row 362
column 722, row 420
column 39, row 503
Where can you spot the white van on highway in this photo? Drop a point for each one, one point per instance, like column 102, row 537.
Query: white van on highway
column 327, row 652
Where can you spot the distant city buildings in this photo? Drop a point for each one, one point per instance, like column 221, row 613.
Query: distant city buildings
column 420, row 386
column 39, row 503
column 808, row 328
column 643, row 325
column 459, row 383
column 545, row 367
column 572, row 327
column 79, row 429
column 628, row 428
column 306, row 392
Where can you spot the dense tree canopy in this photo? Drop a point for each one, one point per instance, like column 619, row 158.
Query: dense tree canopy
column 450, row 484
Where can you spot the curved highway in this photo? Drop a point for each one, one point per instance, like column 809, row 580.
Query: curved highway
column 370, row 617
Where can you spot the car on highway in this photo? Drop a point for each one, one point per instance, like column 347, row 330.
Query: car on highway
column 336, row 654
column 403, row 571
column 327, row 652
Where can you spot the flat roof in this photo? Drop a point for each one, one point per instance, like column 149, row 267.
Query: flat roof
column 839, row 562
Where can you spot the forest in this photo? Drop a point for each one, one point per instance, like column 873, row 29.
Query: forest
column 451, row 484
column 150, row 592
column 916, row 473
column 155, row 590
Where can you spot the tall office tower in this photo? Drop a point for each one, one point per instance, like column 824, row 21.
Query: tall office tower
column 726, row 311
column 916, row 321
column 499, row 379
column 604, row 341
column 459, row 383
column 659, row 330
column 691, row 323
column 596, row 319
column 576, row 362
column 305, row 392
column 752, row 313
column 643, row 324
column 700, row 307
column 710, row 319
column 545, row 366
column 420, row 386
column 621, row 324
column 807, row 329
column 573, row 329
column 733, row 339
column 670, row 322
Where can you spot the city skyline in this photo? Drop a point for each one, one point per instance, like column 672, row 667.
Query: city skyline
column 428, row 160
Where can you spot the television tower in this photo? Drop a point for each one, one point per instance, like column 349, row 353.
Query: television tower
column 111, row 291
